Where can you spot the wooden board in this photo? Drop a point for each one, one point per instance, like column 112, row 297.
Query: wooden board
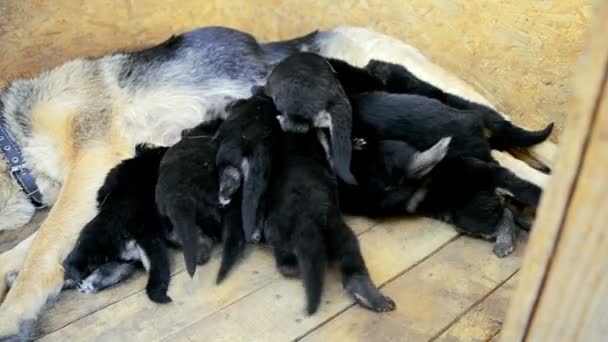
column 519, row 54
column 430, row 297
column 563, row 289
column 72, row 306
column 252, row 289
column 484, row 321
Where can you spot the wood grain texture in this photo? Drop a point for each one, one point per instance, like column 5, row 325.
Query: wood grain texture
column 573, row 304
column 484, row 320
column 430, row 297
column 519, row 54
column 73, row 306
column 565, row 265
column 254, row 302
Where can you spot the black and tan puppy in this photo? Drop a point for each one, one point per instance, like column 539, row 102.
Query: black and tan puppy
column 396, row 179
column 126, row 229
column 422, row 121
column 391, row 172
column 306, row 92
column 305, row 229
column 247, row 141
column 187, row 200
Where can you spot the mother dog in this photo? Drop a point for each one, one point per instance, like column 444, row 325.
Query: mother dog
column 75, row 122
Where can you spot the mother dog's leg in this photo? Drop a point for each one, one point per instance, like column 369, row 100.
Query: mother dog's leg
column 358, row 46
column 41, row 276
column 12, row 260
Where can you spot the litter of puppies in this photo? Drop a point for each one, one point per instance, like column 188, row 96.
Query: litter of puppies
column 321, row 137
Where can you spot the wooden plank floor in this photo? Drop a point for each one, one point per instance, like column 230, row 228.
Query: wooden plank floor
column 447, row 288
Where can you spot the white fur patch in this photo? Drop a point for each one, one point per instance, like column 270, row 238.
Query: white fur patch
column 245, row 168
column 130, row 251
column 416, row 199
column 322, row 119
column 144, row 258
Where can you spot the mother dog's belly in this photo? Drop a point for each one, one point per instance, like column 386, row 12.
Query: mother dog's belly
column 159, row 115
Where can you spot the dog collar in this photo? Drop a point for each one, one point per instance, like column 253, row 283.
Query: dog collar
column 19, row 173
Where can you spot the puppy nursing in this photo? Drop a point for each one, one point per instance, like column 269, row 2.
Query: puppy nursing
column 463, row 187
column 305, row 228
column 126, row 230
column 248, row 140
column 268, row 173
column 188, row 202
column 307, row 93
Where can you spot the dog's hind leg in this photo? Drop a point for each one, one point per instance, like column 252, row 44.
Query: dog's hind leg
column 346, row 252
column 159, row 272
column 287, row 263
column 42, row 275
column 11, row 262
column 106, row 275
column 310, row 252
column 254, row 187
column 234, row 240
column 506, row 235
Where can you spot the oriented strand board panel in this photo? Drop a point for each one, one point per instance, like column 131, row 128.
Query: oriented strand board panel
column 519, row 54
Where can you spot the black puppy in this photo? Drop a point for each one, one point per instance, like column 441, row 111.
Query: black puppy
column 306, row 92
column 391, row 173
column 396, row 179
column 187, row 200
column 422, row 121
column 126, row 229
column 304, row 226
column 248, row 139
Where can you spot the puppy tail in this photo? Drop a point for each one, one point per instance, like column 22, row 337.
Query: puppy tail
column 311, row 254
column 184, row 222
column 234, row 241
column 254, row 188
column 341, row 145
column 504, row 134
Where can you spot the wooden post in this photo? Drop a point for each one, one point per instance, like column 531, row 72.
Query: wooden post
column 563, row 287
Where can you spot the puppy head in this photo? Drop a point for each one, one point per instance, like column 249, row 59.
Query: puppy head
column 398, row 170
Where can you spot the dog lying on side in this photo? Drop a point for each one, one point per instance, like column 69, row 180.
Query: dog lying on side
column 127, row 229
column 187, row 200
column 462, row 187
column 306, row 93
column 305, row 229
column 379, row 76
column 247, row 141
column 78, row 120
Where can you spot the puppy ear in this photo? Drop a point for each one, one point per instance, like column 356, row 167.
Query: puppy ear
column 423, row 162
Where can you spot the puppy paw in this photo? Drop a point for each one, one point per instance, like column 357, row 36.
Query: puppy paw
column 86, row 286
column 385, row 304
column 289, row 271
column 159, row 297
column 359, row 143
column 502, row 250
column 256, row 237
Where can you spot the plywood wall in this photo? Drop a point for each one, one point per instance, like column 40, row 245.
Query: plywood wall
column 520, row 54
